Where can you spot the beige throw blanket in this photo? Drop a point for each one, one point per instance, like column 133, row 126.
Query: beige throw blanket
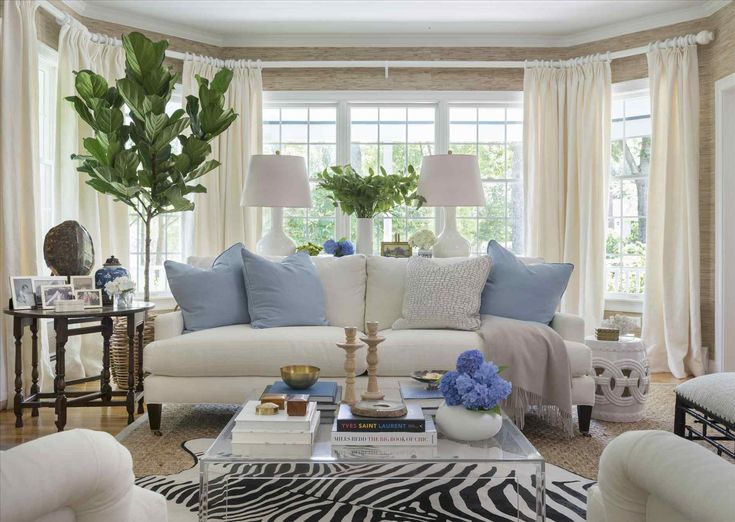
column 536, row 364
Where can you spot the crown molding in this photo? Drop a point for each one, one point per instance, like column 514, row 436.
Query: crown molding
column 98, row 12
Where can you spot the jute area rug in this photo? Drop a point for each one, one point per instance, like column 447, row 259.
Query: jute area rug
column 165, row 455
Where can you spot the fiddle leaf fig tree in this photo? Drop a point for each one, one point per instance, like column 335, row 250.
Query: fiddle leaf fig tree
column 134, row 162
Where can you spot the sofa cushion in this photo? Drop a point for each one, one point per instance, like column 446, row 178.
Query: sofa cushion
column 210, row 297
column 440, row 296
column 244, row 351
column 404, row 351
column 343, row 280
column 580, row 358
column 285, row 293
column 527, row 292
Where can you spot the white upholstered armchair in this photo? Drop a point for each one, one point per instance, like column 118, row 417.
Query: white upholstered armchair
column 655, row 476
column 74, row 476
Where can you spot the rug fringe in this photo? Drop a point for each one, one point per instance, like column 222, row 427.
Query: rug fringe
column 520, row 401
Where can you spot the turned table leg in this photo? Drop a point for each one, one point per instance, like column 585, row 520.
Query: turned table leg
column 130, row 398
column 18, row 399
column 61, row 326
column 139, row 385
column 105, row 386
column 34, row 363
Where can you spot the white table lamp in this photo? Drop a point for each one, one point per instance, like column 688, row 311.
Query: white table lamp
column 277, row 181
column 450, row 181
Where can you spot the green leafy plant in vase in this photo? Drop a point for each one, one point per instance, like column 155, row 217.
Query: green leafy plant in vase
column 134, row 162
column 368, row 196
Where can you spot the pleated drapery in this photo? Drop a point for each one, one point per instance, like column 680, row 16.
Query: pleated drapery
column 566, row 145
column 105, row 219
column 671, row 313
column 20, row 238
column 219, row 220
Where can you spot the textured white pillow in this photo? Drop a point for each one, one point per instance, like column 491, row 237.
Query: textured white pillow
column 443, row 296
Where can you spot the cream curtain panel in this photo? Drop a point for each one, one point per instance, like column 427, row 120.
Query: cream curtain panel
column 19, row 181
column 106, row 220
column 219, row 220
column 671, row 314
column 566, row 147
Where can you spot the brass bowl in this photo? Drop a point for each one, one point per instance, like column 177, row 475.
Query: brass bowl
column 300, row 376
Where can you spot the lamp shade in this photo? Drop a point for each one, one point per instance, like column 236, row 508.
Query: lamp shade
column 451, row 180
column 276, row 181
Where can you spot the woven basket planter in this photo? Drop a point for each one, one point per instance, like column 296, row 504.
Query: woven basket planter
column 119, row 348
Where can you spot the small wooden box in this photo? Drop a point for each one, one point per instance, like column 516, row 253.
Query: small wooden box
column 296, row 405
column 276, row 398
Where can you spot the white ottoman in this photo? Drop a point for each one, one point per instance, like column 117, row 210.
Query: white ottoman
column 621, row 377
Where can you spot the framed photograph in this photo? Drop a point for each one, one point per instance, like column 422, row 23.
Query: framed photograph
column 90, row 298
column 40, row 281
column 21, row 290
column 52, row 294
column 82, row 282
column 395, row 249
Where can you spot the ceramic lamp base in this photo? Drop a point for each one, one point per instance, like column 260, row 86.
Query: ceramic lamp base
column 450, row 242
column 276, row 242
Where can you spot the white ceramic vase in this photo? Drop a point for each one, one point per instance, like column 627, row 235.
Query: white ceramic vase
column 459, row 423
column 365, row 236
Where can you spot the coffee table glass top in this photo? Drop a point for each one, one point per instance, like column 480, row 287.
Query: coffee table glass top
column 509, row 445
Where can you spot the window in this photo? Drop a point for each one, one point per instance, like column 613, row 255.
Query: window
column 309, row 131
column 495, row 135
column 392, row 130
column 627, row 196
column 393, row 137
column 47, row 64
column 167, row 233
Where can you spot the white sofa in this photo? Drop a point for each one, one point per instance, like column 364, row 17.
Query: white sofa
column 222, row 364
column 74, row 476
column 656, row 476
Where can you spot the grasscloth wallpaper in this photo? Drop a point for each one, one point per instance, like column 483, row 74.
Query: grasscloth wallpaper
column 715, row 61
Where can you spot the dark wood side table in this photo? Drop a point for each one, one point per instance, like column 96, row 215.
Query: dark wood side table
column 60, row 399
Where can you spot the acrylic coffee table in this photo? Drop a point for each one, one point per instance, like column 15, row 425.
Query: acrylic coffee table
column 505, row 474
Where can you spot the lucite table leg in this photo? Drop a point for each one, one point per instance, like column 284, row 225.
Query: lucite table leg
column 541, row 492
column 203, row 492
column 18, row 399
column 34, row 363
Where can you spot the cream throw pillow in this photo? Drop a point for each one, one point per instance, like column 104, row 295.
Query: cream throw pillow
column 443, row 296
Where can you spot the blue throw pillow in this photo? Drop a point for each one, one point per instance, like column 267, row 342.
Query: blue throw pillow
column 524, row 292
column 210, row 298
column 286, row 293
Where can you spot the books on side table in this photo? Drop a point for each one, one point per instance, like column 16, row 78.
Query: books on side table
column 413, row 429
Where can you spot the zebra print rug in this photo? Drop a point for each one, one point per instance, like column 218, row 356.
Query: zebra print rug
column 433, row 493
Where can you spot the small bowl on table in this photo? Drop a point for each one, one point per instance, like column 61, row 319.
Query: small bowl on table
column 300, row 376
column 430, row 378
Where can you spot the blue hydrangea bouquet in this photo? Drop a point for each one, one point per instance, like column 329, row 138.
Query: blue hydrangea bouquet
column 476, row 384
column 342, row 247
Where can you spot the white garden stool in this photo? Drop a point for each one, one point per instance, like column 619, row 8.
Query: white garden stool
column 622, row 378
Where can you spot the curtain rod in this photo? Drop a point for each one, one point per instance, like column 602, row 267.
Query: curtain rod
column 701, row 38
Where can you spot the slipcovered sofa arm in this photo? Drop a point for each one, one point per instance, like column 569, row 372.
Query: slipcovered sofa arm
column 656, row 475
column 169, row 325
column 570, row 327
column 87, row 472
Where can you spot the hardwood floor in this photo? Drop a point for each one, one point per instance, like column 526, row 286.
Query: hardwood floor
column 112, row 419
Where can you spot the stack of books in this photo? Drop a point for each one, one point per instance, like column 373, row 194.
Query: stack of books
column 413, row 429
column 417, row 393
column 326, row 394
column 293, row 435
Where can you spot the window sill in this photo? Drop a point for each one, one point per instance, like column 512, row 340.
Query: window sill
column 621, row 303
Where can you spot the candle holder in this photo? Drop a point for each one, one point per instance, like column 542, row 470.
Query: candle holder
column 350, row 346
column 372, row 339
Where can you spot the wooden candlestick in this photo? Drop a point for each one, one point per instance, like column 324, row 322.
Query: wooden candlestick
column 372, row 339
column 350, row 345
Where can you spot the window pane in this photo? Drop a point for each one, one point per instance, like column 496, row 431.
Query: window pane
column 494, row 200
column 463, row 132
column 271, row 133
column 321, row 157
column 463, row 114
column 364, row 132
column 364, row 157
column 322, row 132
column 492, row 132
column 492, row 160
column 393, row 158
